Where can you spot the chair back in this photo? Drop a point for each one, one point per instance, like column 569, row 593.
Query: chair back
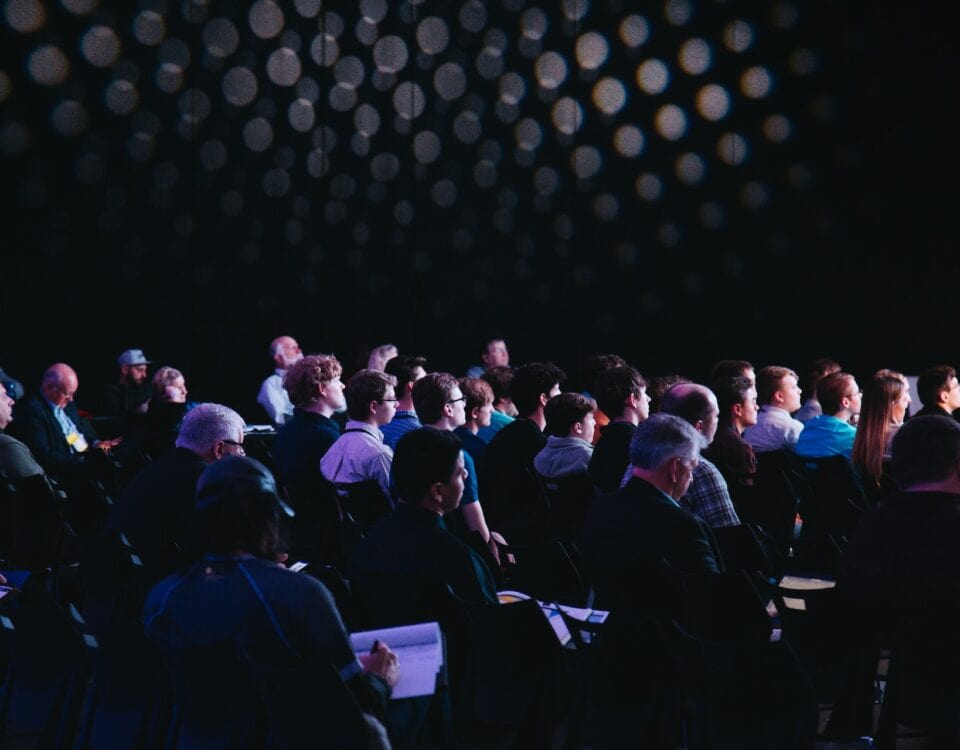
column 568, row 499
column 773, row 501
column 547, row 572
column 742, row 549
column 364, row 502
column 32, row 522
column 318, row 533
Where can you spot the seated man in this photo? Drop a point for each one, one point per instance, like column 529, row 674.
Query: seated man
column 939, row 391
column 495, row 354
column 130, row 395
column 240, row 599
column 316, row 391
column 593, row 368
column 814, row 372
column 478, row 410
column 359, row 454
column 779, row 396
column 737, row 401
column 407, row 369
column 831, row 433
column 284, row 351
column 16, row 461
column 622, row 394
column 569, row 429
column 504, row 410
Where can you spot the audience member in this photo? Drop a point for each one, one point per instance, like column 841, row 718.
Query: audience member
column 495, row 354
column 592, row 368
column 131, row 394
column 569, row 428
column 737, row 401
column 813, row 373
column 407, row 369
column 707, row 497
column 316, row 392
column 733, row 368
column 660, row 384
column 359, row 453
column 479, row 411
column 13, row 386
column 778, row 395
column 885, row 401
column 16, row 461
column 504, row 410
column 939, row 391
column 831, row 433
column 380, row 355
column 284, row 351
column 168, row 404
column 622, row 394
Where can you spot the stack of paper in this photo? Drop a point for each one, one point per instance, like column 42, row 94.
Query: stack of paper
column 419, row 650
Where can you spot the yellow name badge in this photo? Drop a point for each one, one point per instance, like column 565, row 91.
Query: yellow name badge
column 77, row 441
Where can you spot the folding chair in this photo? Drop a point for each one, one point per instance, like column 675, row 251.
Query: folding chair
column 364, row 502
column 568, row 499
column 32, row 522
column 546, row 571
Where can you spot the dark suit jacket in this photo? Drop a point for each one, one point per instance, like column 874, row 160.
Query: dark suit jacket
column 611, row 456
column 36, row 426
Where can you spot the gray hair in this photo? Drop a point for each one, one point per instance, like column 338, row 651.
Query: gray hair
column 205, row 424
column 662, row 438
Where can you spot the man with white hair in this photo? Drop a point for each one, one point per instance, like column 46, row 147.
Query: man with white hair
column 284, row 351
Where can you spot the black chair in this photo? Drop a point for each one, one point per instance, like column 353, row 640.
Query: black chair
column 339, row 587
column 830, row 511
column 517, row 506
column 545, row 571
column 318, row 532
column 772, row 503
column 364, row 502
column 32, row 522
column 742, row 549
column 568, row 499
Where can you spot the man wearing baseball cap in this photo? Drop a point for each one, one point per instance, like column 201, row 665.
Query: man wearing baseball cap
column 131, row 394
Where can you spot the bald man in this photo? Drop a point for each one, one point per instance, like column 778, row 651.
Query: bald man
column 51, row 426
column 284, row 351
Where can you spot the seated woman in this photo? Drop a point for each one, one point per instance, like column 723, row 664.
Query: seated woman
column 168, row 404
column 885, row 401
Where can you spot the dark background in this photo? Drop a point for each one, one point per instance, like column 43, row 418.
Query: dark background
column 122, row 228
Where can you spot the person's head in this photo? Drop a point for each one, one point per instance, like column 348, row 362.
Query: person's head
column 926, row 450
column 737, row 401
column 594, row 366
column 777, row 386
column 169, row 385
column 621, row 393
column 439, row 401
column 839, row 395
column 659, row 385
column 571, row 415
column 883, row 399
column 133, row 367
column 813, row 373
column 500, row 379
column 371, row 397
column 237, row 509
column 407, row 369
column 479, row 403
column 380, row 355
column 938, row 386
column 901, row 398
column 533, row 385
column 428, row 469
column 495, row 354
column 6, row 407
column 696, row 404
column 59, row 384
column 284, row 351
column 665, row 450
column 313, row 383
column 212, row 431
column 733, row 368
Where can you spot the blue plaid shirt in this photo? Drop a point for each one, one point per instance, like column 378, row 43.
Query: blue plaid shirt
column 402, row 423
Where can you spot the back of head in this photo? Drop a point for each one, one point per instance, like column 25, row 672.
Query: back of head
column 597, row 364
column 689, row 401
column 304, row 376
column 926, row 449
column 163, row 377
column 529, row 381
column 205, row 424
column 876, row 416
column 430, row 393
column 769, row 379
column 662, row 438
column 831, row 389
column 814, row 372
column 402, row 367
column 380, row 356
column 364, row 387
column 614, row 387
column 730, row 391
column 423, row 457
column 237, row 508
column 564, row 411
column 932, row 381
column 500, row 379
column 729, row 368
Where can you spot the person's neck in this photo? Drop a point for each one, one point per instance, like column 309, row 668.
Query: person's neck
column 629, row 416
column 471, row 424
column 657, row 478
column 443, row 424
column 324, row 410
column 735, row 424
column 406, row 404
column 370, row 422
column 538, row 419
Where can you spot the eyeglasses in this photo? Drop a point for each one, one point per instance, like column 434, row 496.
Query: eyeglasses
column 454, row 400
column 235, row 444
column 388, row 401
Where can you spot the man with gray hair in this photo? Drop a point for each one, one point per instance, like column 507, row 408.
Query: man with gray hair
column 284, row 351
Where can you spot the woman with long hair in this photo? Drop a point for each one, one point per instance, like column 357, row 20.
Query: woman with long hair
column 885, row 400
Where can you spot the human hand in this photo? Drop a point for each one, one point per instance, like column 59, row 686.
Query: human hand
column 383, row 663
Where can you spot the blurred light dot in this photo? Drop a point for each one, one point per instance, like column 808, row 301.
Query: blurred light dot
column 574, row 10
column 444, row 193
column 546, row 180
column 628, row 140
column 737, row 36
column 426, row 147
column 567, row 115
column 754, row 196
column 149, row 28
column 803, row 61
column 695, row 56
column 450, row 81
column 308, row 89
column 506, row 113
column 534, row 23
column 756, row 82
column 512, row 88
column 48, row 65
column 5, row 86
column 711, row 215
column 634, row 31
column 433, row 36
column 213, row 155
column 366, row 120
column 100, row 46
column 485, row 173
column 403, row 212
column 366, row 32
column 585, row 162
column 332, row 23
column 609, row 95
column 732, row 149
column 690, row 169
column 677, row 12
column 239, row 86
column 384, row 167
column 671, row 122
column 374, row 10
column 713, row 102
column 14, row 138
column 653, row 77
column 301, row 115
column 550, row 69
column 276, row 182
column 318, row 164
column 409, row 100
column 25, row 16
column 342, row 97
column 528, row 134
column 258, row 134
column 360, row 144
column 592, row 50
column 220, row 38
column 121, row 97
column 490, row 62
column 80, row 7
column 473, row 16
column 784, row 15
column 69, row 118
column 777, row 128
column 266, row 19
column 466, row 127
column 307, row 8
column 283, row 67
column 349, row 71
column 390, row 54
column 175, row 51
column 606, row 207
column 649, row 187
column 324, row 50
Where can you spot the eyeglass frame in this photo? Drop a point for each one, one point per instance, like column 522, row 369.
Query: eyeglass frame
column 239, row 446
